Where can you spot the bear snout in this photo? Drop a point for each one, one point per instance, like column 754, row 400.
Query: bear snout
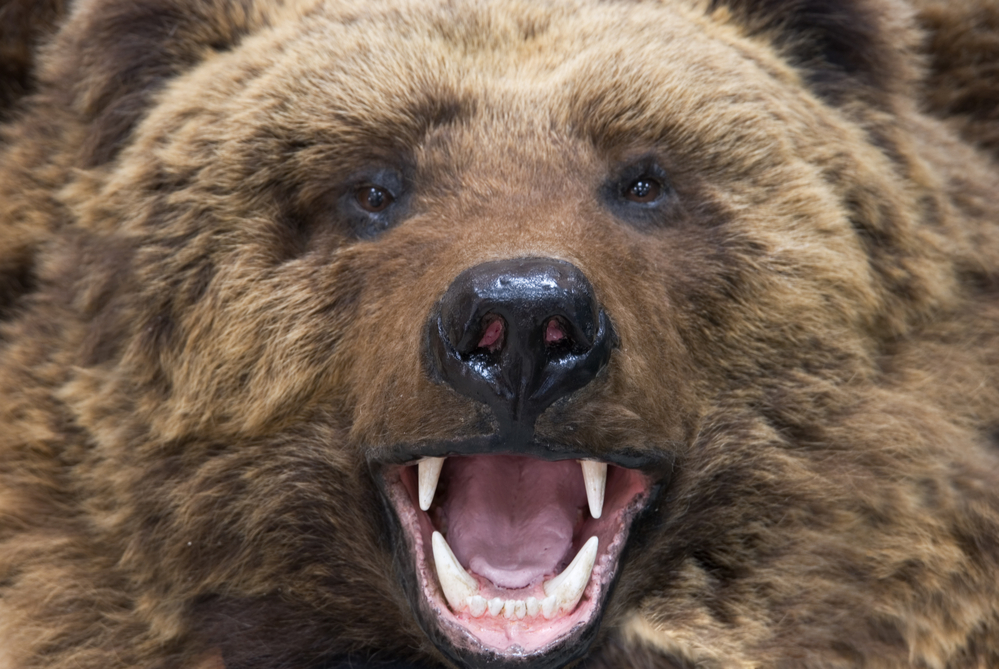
column 519, row 334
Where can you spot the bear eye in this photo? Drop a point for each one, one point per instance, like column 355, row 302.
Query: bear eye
column 640, row 193
column 643, row 190
column 373, row 199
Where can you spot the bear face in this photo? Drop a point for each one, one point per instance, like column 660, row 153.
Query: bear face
column 509, row 333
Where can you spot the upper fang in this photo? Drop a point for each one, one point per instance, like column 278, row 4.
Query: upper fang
column 594, row 479
column 429, row 470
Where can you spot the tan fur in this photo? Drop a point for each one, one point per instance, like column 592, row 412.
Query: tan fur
column 197, row 357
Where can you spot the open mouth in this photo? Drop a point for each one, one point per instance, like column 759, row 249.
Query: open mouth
column 513, row 556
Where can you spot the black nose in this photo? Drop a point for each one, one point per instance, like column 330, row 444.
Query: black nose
column 519, row 334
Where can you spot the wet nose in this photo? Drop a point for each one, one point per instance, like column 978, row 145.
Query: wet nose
column 518, row 335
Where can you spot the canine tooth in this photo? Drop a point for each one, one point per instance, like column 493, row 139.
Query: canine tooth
column 548, row 606
column 533, row 606
column 429, row 471
column 595, row 480
column 568, row 586
column 477, row 605
column 495, row 606
column 456, row 583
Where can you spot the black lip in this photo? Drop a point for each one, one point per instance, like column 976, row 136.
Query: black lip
column 657, row 466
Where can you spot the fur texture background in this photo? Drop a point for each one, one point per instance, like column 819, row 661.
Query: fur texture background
column 198, row 353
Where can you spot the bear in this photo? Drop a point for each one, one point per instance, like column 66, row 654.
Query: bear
column 499, row 334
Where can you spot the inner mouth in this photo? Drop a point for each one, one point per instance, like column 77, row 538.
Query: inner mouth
column 513, row 554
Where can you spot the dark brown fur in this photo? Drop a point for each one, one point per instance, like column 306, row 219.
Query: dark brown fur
column 963, row 54
column 198, row 355
column 24, row 26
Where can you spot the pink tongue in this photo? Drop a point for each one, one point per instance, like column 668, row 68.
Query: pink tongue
column 511, row 518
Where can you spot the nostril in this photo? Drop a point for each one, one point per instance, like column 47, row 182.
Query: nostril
column 493, row 331
column 555, row 332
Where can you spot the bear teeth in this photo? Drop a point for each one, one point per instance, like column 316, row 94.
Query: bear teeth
column 568, row 586
column 562, row 592
column 457, row 584
column 429, row 472
column 594, row 479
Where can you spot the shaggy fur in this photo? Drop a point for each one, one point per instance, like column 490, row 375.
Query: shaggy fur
column 199, row 354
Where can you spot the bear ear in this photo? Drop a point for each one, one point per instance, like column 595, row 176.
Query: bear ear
column 113, row 55
column 847, row 49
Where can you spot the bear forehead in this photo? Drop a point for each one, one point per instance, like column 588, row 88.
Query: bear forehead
column 382, row 73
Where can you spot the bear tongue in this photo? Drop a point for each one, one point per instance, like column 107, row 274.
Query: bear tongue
column 511, row 518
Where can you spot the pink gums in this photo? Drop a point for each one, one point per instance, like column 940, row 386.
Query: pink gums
column 626, row 494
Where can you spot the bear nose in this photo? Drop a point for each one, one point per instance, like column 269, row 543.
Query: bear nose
column 519, row 334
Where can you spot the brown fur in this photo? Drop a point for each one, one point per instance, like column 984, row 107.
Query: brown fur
column 963, row 56
column 24, row 26
column 198, row 356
